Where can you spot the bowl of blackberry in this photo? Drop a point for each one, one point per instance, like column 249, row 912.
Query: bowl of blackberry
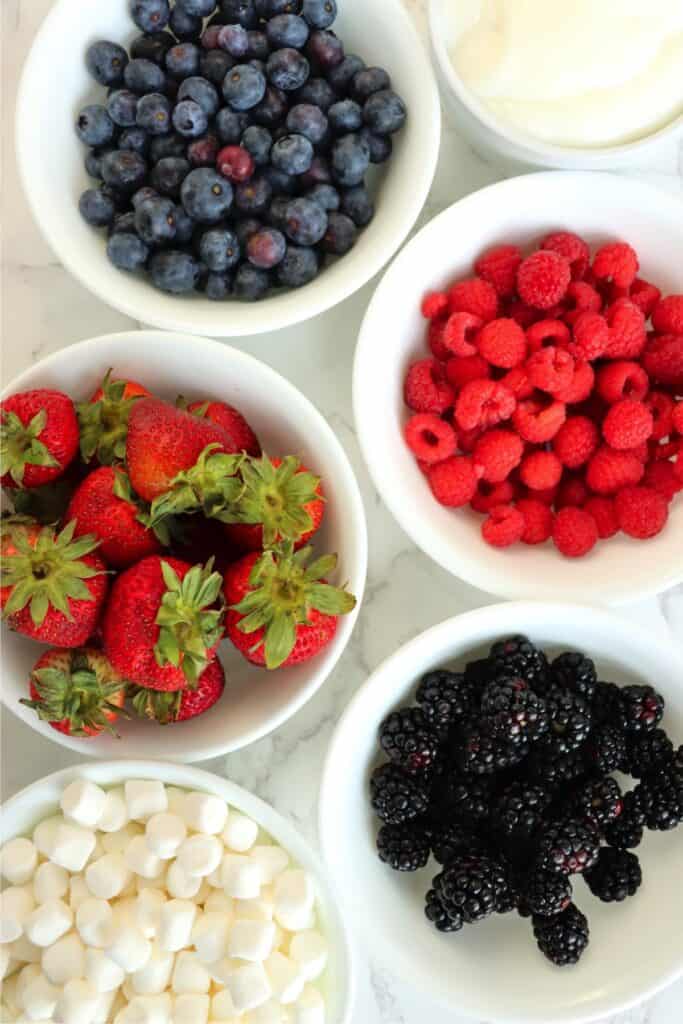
column 206, row 155
column 518, row 798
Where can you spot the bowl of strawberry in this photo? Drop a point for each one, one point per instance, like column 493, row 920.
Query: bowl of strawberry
column 183, row 543
column 534, row 386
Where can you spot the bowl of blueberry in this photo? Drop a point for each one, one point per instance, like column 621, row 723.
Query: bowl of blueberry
column 501, row 805
column 226, row 167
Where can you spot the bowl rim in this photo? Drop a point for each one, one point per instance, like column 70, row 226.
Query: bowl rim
column 495, row 582
column 551, row 153
column 243, row 319
column 266, row 816
column 82, row 352
column 511, row 614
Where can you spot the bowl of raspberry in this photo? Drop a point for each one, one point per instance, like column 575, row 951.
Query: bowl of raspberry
column 509, row 829
column 229, row 168
column 530, row 396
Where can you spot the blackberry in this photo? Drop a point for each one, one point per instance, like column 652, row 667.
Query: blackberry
column 648, row 751
column 563, row 938
column 519, row 811
column 504, row 883
column 574, row 671
column 605, row 750
column 606, row 703
column 678, row 759
column 480, row 753
column 467, row 889
column 600, row 800
column 442, row 919
column 547, row 893
column 570, row 721
column 640, row 709
column 445, row 699
column 513, row 711
column 519, row 657
column 479, row 673
column 408, row 740
column 660, row 799
column 403, row 847
column 456, row 841
column 552, row 770
column 616, row 875
column 627, row 831
column 463, row 800
column 569, row 847
column 396, row 796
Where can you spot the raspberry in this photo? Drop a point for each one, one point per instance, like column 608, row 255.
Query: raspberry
column 522, row 314
column 616, row 262
column 543, row 279
column 627, row 334
column 546, row 496
column 663, row 450
column 663, row 360
column 662, row 408
column 504, row 526
column 537, row 421
column 591, row 336
column 435, row 339
column 540, row 470
column 573, row 248
column 609, row 471
column 667, row 316
column 467, row 439
column 502, row 343
column 622, row 380
column 434, row 304
column 483, row 403
column 571, row 492
column 641, row 451
column 677, row 418
column 678, row 463
column 583, row 298
column 661, row 477
column 538, row 521
column 627, row 424
column 547, row 331
column 574, row 532
column 576, row 441
column 474, row 296
column 645, row 296
column 641, row 512
column 429, row 437
column 499, row 266
column 425, row 388
column 550, row 369
column 498, row 452
column 460, row 370
column 580, row 386
column 454, row 481
column 459, row 333
column 517, row 381
column 488, row 496
column 602, row 510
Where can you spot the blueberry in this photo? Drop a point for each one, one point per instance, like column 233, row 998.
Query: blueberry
column 241, row 11
column 218, row 287
column 381, row 146
column 166, row 145
column 127, row 251
column 142, row 76
column 154, row 114
column 168, row 175
column 251, row 283
column 152, row 46
column 258, row 45
column 202, row 92
column 340, row 236
column 259, row 65
column 305, row 119
column 350, row 159
column 94, row 126
column 203, row 152
column 287, row 30
column 155, row 221
column 299, row 266
column 320, row 13
column 106, row 62
column 253, row 196
column 150, row 15
column 272, row 109
column 189, row 120
column 197, row 8
column 367, row 81
column 345, row 116
column 271, row 8
column 341, row 76
column 231, row 125
column 93, row 161
column 384, row 112
column 182, row 60
column 122, row 107
column 219, row 249
column 173, row 271
column 324, row 49
column 124, row 169
column 136, row 139
column 245, row 228
column 266, row 248
column 326, row 196
column 281, row 183
column 292, row 154
column 243, row 87
column 306, row 221
column 287, row 69
column 357, row 204
column 185, row 27
column 215, row 65
column 277, row 212
column 124, row 223
column 258, row 142
column 97, row 207
column 319, row 173
column 146, row 192
column 318, row 92
column 206, row 195
column 184, row 226
column 234, row 40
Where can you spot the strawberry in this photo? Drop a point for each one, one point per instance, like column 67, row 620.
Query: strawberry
column 162, row 624
column 103, row 506
column 233, row 423
column 181, row 705
column 38, row 437
column 53, row 587
column 77, row 691
column 281, row 610
column 103, row 419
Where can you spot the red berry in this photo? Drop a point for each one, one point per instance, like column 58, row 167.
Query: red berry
column 661, row 477
column 426, row 389
column 543, row 279
column 434, row 304
column 504, row 526
column 608, row 470
column 645, row 296
column 522, row 314
column 547, row 495
column 538, row 521
column 582, row 298
column 677, row 418
column 641, row 512
column 435, row 339
column 551, row 369
column 517, row 381
column 235, row 163
column 499, row 267
column 483, row 403
column 627, row 424
column 678, row 463
column 575, row 532
column 580, row 386
column 459, row 333
column 430, row 438
column 573, row 248
column 667, row 315
column 571, row 492
column 545, row 332
column 540, row 470
column 502, row 343
column 662, row 408
column 497, row 453
column 488, row 496
column 460, row 370
column 622, row 379
column 602, row 511
column 663, row 360
column 454, row 481
column 467, row 439
column 576, row 441
column 474, row 296
column 627, row 334
column 617, row 263
column 538, row 422
column 204, row 152
column 591, row 336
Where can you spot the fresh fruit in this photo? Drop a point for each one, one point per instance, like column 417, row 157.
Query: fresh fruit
column 77, row 691
column 615, row 876
column 408, row 740
column 242, row 437
column 180, row 705
column 564, row 937
column 103, row 419
column 397, row 796
column 38, row 437
column 402, row 848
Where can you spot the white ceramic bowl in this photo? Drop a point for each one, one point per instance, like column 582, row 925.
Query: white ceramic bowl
column 22, row 812
column 53, row 91
column 492, row 971
column 522, row 210
column 256, row 701
column 497, row 139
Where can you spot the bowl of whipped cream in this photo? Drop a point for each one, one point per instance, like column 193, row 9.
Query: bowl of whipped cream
column 543, row 83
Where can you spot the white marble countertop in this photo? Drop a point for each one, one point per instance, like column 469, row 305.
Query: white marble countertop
column 45, row 309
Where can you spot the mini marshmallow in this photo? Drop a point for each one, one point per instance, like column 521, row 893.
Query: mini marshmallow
column 6, row 959
column 268, row 1013
column 165, row 832
column 242, row 877
column 200, row 855
column 23, row 951
column 251, row 940
column 64, row 960
column 191, row 1009
column 147, row 912
column 50, row 882
column 16, row 905
column 45, row 833
column 78, row 1003
column 249, row 987
column 107, row 877
column 294, row 900
column 286, row 978
column 223, row 969
column 280, row 938
column 190, row 976
column 272, row 860
column 310, row 1007
column 117, row 842
column 222, row 1006
column 124, row 911
column 18, row 861
column 102, row 973
column 98, row 850
column 179, row 885
column 9, row 995
column 176, row 924
column 240, row 833
column 105, row 1007
column 309, row 950
column 215, row 879
column 147, row 1010
column 128, row 948
column 83, row 802
column 155, row 977
column 114, row 814
column 176, row 800
column 140, row 859
column 145, row 798
column 202, row 894
column 94, row 923
column 72, row 847
column 205, row 813
column 78, row 892
column 260, row 909
column 218, row 903
column 210, row 937
column 48, row 922
column 39, row 998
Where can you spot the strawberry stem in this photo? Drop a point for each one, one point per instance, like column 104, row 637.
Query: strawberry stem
column 189, row 626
